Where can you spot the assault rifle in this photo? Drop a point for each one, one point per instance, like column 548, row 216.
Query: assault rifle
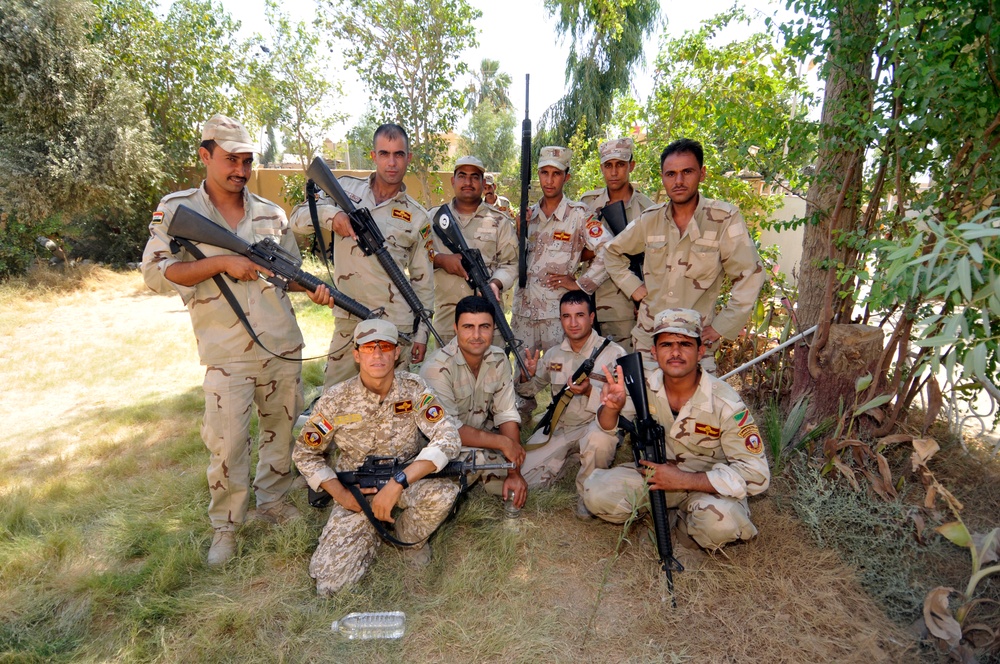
column 522, row 227
column 613, row 214
column 562, row 398
column 649, row 443
column 193, row 227
column 376, row 471
column 371, row 241
column 479, row 276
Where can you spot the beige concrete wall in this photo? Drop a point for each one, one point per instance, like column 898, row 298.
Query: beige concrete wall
column 789, row 241
column 267, row 182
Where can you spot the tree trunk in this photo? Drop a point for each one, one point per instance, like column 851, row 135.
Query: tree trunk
column 834, row 198
column 851, row 352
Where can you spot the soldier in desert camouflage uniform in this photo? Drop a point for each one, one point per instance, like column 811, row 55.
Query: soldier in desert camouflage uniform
column 379, row 412
column 491, row 197
column 615, row 309
column 483, row 228
column 407, row 231
column 239, row 373
column 559, row 231
column 473, row 381
column 577, row 428
column 716, row 452
column 691, row 243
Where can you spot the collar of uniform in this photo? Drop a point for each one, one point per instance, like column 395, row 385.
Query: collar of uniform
column 400, row 195
column 588, row 347
column 373, row 398
column 202, row 191
column 604, row 197
column 654, row 382
column 451, row 348
column 694, row 226
column 558, row 214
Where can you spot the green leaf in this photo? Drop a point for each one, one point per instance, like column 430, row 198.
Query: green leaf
column 964, row 277
column 862, row 383
column 874, row 403
column 956, row 533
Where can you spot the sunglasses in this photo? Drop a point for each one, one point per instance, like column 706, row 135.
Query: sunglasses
column 369, row 348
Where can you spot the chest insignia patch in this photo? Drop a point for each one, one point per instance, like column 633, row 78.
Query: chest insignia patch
column 403, row 407
column 340, row 420
column 354, row 197
column 555, row 366
column 401, row 214
column 562, row 236
column 707, row 430
column 434, row 413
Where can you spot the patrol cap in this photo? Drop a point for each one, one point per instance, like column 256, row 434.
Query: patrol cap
column 469, row 160
column 375, row 329
column 555, row 155
column 616, row 148
column 228, row 134
column 678, row 321
column 489, row 179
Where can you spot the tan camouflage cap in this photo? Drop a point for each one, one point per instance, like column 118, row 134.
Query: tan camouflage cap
column 228, row 134
column 469, row 160
column 616, row 148
column 489, row 179
column 678, row 321
column 555, row 155
column 375, row 330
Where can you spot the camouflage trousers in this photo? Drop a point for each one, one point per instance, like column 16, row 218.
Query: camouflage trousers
column 340, row 365
column 710, row 520
column 620, row 332
column 231, row 391
column 540, row 334
column 542, row 466
column 349, row 541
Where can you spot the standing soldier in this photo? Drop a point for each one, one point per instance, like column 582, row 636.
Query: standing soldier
column 483, row 228
column 407, row 230
column 379, row 412
column 473, row 381
column 501, row 203
column 691, row 243
column 239, row 373
column 559, row 230
column 615, row 309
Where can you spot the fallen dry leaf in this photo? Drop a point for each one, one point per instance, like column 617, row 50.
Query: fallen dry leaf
column 923, row 450
column 988, row 546
column 934, row 403
column 938, row 617
column 895, row 438
column 918, row 521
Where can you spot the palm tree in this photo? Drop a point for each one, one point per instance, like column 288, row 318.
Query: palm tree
column 489, row 85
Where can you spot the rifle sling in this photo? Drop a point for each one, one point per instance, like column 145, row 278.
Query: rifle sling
column 314, row 216
column 556, row 411
column 235, row 304
column 379, row 528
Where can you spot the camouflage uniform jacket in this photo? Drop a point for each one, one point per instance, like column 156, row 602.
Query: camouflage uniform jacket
column 221, row 338
column 493, row 234
column 407, row 231
column 482, row 402
column 612, row 302
column 349, row 420
column 556, row 367
column 687, row 270
column 715, row 434
column 555, row 245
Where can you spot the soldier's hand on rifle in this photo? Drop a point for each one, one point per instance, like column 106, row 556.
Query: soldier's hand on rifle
column 242, row 268
column 584, row 388
column 385, row 500
column 664, row 476
column 342, row 225
column 640, row 293
column 512, row 451
column 530, row 363
column 613, row 394
column 344, row 497
column 320, row 296
column 495, row 287
column 451, row 263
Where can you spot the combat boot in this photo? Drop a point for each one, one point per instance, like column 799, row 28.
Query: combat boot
column 223, row 547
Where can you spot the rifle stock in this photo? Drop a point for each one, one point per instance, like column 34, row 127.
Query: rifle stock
column 522, row 227
column 195, row 227
column 479, row 278
column 613, row 214
column 371, row 241
column 649, row 443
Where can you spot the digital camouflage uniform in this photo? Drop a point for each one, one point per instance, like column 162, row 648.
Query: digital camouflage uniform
column 713, row 433
column 482, row 402
column 350, row 423
column 238, row 373
column 555, row 245
column 577, row 428
column 407, row 231
column 492, row 233
column 687, row 270
column 615, row 308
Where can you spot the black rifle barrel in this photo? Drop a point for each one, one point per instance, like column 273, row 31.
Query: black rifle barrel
column 195, row 227
column 370, row 240
column 522, row 227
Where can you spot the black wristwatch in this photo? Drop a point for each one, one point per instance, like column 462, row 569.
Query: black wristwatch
column 400, row 477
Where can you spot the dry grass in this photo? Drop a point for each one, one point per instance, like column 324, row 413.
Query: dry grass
column 103, row 536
